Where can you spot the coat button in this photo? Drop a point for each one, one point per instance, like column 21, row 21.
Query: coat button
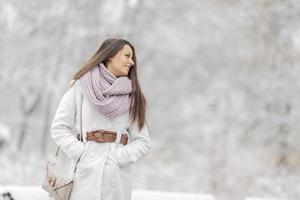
column 94, row 125
column 92, row 155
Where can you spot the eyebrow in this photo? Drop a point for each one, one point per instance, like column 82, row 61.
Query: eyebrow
column 126, row 51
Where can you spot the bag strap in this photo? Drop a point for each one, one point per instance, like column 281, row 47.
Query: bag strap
column 81, row 132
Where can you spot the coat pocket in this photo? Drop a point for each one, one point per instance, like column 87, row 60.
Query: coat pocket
column 112, row 161
column 112, row 158
column 83, row 154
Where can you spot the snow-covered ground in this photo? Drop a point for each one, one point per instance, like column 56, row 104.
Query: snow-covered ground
column 25, row 192
column 162, row 195
column 37, row 193
column 257, row 198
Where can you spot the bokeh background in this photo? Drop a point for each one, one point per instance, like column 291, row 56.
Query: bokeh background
column 221, row 78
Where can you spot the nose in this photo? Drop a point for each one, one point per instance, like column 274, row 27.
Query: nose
column 131, row 62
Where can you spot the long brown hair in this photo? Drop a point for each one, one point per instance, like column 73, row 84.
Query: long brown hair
column 108, row 49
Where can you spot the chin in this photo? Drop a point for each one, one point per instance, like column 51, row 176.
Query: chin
column 125, row 74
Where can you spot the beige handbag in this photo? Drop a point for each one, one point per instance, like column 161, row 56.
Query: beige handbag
column 58, row 186
column 57, row 182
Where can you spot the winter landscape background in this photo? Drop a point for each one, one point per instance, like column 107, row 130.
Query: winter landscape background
column 221, row 78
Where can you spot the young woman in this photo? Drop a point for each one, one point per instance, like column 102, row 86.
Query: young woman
column 105, row 101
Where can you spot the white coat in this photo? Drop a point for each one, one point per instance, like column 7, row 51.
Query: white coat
column 104, row 169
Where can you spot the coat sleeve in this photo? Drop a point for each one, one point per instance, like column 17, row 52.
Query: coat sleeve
column 139, row 146
column 63, row 125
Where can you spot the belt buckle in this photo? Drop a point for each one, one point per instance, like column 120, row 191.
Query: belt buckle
column 99, row 135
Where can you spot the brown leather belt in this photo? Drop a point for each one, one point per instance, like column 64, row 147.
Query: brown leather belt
column 104, row 136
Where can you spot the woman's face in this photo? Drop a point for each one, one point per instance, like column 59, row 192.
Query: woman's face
column 120, row 64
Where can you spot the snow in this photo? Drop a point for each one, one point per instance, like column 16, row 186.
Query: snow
column 257, row 198
column 162, row 195
column 37, row 193
column 4, row 132
column 25, row 192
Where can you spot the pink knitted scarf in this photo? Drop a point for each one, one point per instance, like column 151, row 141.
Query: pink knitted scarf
column 109, row 94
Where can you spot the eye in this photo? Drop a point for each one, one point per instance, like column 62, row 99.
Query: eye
column 127, row 56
